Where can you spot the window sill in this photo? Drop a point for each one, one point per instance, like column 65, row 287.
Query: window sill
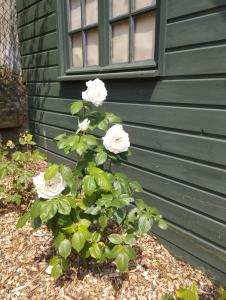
column 113, row 75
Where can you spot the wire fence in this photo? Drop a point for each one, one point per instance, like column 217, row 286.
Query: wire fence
column 9, row 44
column 12, row 90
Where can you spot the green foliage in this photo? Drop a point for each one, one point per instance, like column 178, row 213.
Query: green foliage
column 188, row 294
column 192, row 294
column 98, row 215
column 26, row 139
column 13, row 162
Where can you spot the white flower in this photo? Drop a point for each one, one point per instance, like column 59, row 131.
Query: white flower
column 116, row 139
column 48, row 189
column 96, row 92
column 83, row 126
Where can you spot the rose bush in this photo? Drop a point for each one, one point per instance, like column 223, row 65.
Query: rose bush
column 92, row 209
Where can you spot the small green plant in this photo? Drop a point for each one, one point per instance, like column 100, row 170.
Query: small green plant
column 188, row 294
column 184, row 294
column 192, row 294
column 13, row 163
column 92, row 209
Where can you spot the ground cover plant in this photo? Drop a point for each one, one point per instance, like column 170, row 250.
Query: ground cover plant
column 18, row 164
column 92, row 209
column 191, row 293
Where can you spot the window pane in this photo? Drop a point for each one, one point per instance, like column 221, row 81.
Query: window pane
column 92, row 49
column 77, row 50
column 143, row 3
column 75, row 14
column 144, row 37
column 120, row 42
column 91, row 12
column 119, row 7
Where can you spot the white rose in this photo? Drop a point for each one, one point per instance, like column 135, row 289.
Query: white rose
column 48, row 189
column 116, row 139
column 96, row 92
column 83, row 126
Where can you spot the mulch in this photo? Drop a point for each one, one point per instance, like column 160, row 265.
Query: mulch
column 24, row 258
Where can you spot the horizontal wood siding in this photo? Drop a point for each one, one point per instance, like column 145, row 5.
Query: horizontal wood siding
column 176, row 122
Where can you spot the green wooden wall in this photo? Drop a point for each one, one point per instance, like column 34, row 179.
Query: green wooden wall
column 177, row 123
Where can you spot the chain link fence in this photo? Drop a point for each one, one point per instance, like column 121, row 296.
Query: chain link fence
column 12, row 90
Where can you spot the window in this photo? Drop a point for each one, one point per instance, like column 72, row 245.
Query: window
column 109, row 37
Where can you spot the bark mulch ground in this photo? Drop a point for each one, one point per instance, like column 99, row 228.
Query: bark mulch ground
column 24, row 259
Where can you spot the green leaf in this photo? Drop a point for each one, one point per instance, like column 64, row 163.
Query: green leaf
column 78, row 240
column 101, row 158
column 112, row 118
column 51, row 172
column 115, row 251
column 120, row 215
column 162, row 224
column 89, row 185
column 48, row 210
column 105, row 200
column 103, row 125
column 58, row 239
column 95, row 251
column 103, row 221
column 65, row 248
column 64, row 206
column 56, row 271
column 188, row 294
column 126, row 199
column 122, row 183
column 115, row 238
column 59, row 137
column 144, row 224
column 129, row 239
column 93, row 210
column 76, row 107
column 23, row 220
column 36, row 223
column 103, row 182
column 81, row 148
column 35, row 210
column 130, row 251
column 122, row 261
column 96, row 236
column 55, row 260
column 84, row 223
column 66, row 173
column 88, row 139
column 140, row 204
column 136, row 186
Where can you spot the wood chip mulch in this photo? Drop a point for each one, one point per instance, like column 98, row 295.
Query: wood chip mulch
column 24, row 259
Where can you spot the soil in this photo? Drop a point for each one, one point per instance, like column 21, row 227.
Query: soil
column 24, row 259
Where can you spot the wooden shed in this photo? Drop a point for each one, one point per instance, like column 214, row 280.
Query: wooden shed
column 164, row 65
